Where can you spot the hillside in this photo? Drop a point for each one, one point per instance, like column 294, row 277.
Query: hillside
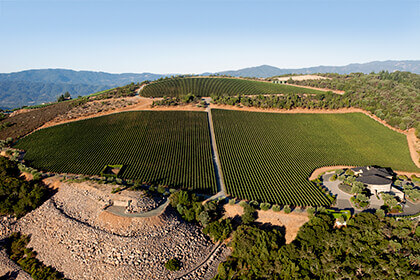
column 203, row 86
column 44, row 85
column 14, row 94
column 393, row 97
column 34, row 87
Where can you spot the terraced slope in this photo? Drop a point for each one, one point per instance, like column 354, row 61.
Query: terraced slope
column 202, row 86
column 269, row 157
column 170, row 148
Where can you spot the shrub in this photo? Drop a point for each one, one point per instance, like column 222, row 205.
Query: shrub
column 173, row 264
column 232, row 201
column 298, row 210
column 161, row 189
column 249, row 215
column 321, row 209
column 311, row 211
column 349, row 172
column 333, row 178
column 265, row 206
column 219, row 230
column 115, row 190
column 276, row 208
column 339, row 171
column 254, row 204
column 243, row 203
column 287, row 209
column 204, row 218
column 380, row 213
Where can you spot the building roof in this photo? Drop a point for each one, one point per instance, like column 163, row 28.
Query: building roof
column 374, row 180
column 372, row 171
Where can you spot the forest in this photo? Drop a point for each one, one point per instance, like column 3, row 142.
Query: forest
column 371, row 246
column 18, row 196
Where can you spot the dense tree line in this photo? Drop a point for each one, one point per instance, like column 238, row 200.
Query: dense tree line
column 209, row 214
column 325, row 100
column 18, row 196
column 393, row 97
column 175, row 101
column 370, row 246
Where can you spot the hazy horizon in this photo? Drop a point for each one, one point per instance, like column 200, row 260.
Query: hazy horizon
column 204, row 36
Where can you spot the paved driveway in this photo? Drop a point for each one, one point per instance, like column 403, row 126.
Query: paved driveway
column 343, row 199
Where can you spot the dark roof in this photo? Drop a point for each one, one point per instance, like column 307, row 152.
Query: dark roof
column 371, row 171
column 373, row 180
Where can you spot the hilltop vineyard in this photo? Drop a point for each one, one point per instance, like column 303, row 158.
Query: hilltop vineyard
column 269, row 157
column 169, row 148
column 198, row 86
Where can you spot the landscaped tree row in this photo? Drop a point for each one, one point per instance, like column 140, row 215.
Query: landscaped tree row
column 169, row 148
column 178, row 87
column 269, row 157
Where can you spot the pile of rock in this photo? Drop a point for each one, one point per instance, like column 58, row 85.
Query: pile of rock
column 69, row 232
column 7, row 224
column 143, row 204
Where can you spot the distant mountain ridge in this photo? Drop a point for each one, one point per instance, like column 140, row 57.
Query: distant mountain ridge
column 66, row 76
column 265, row 71
column 37, row 86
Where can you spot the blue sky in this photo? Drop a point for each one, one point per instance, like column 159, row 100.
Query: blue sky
column 197, row 36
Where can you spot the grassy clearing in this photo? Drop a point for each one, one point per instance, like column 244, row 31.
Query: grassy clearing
column 269, row 157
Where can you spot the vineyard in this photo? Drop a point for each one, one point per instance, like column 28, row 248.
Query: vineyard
column 178, row 87
column 169, row 148
column 269, row 157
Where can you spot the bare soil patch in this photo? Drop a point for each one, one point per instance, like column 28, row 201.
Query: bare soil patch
column 140, row 104
column 302, row 78
column 321, row 170
column 29, row 120
column 292, row 221
column 28, row 176
column 99, row 108
column 414, row 146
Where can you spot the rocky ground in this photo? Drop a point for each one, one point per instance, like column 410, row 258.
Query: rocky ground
column 72, row 233
column 94, row 107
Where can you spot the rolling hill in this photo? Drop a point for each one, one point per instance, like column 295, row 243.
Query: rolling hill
column 44, row 85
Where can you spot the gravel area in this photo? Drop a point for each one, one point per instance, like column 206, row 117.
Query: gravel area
column 72, row 233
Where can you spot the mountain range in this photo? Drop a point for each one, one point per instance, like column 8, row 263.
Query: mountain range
column 32, row 87
column 265, row 71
